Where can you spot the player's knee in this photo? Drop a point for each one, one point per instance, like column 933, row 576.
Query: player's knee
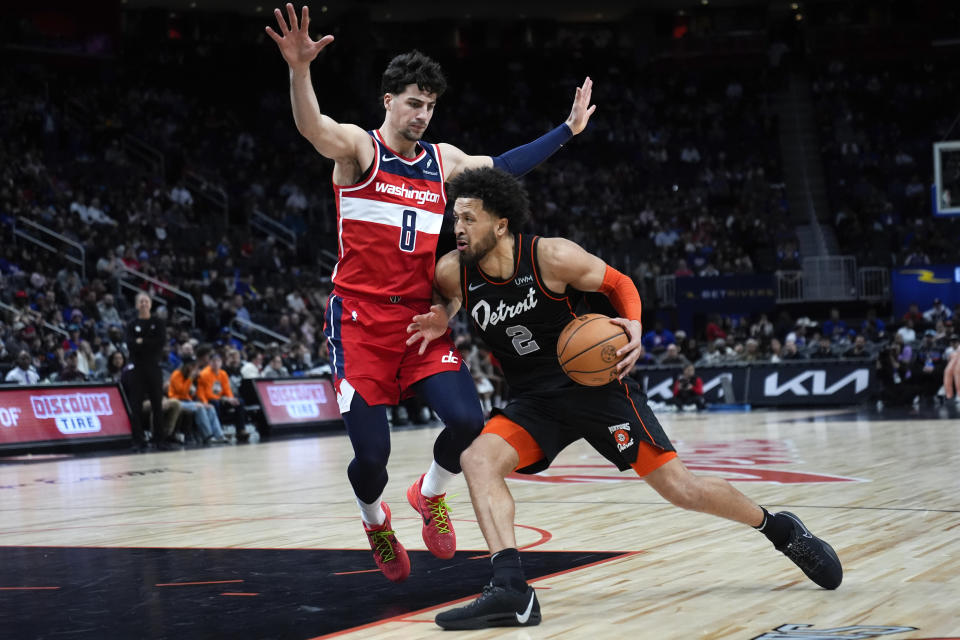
column 372, row 458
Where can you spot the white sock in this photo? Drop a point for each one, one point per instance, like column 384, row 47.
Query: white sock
column 372, row 514
column 436, row 480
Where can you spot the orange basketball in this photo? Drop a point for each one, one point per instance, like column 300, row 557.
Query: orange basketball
column 587, row 349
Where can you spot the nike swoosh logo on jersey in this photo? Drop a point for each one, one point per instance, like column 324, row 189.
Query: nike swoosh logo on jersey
column 473, row 287
column 387, row 158
column 522, row 619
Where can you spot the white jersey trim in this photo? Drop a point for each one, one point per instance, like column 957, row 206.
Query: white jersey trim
column 388, row 213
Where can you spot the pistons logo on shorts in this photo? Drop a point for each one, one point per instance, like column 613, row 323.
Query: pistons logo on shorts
column 621, row 434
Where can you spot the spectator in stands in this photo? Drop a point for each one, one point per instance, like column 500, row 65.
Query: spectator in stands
column 71, row 371
column 823, row 349
column 713, row 330
column 672, row 357
column 275, row 368
column 115, row 365
column 24, row 372
column 751, row 351
column 859, row 349
column 906, row 332
column 182, row 387
column 232, row 362
column 656, row 341
column 873, row 328
column 109, row 314
column 213, row 387
column 251, row 368
column 688, row 390
column 691, row 350
column 775, row 350
column 938, row 312
column 913, row 313
column 834, row 327
column 790, row 351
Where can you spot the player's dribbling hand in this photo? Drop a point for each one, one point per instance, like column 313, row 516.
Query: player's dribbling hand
column 296, row 46
column 951, row 375
column 631, row 351
column 428, row 326
column 582, row 109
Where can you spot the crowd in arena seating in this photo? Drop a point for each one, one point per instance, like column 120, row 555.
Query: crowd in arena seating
column 678, row 174
column 878, row 122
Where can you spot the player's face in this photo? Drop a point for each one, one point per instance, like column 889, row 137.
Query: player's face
column 409, row 113
column 474, row 230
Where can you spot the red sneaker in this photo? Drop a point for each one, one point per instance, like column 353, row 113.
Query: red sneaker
column 438, row 533
column 390, row 555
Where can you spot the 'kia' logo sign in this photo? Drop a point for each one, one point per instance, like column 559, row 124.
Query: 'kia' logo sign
column 814, row 382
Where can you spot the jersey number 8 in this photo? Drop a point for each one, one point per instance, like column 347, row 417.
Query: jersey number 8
column 408, row 230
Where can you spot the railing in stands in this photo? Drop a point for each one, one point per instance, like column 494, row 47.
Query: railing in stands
column 873, row 283
column 147, row 156
column 212, row 192
column 132, row 280
column 247, row 329
column 813, row 283
column 327, row 260
column 52, row 327
column 789, row 286
column 50, row 235
column 270, row 226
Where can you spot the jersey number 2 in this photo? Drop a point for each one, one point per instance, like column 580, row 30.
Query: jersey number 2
column 523, row 340
column 408, row 230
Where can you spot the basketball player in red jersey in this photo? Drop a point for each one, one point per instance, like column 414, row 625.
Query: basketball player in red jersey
column 518, row 290
column 389, row 188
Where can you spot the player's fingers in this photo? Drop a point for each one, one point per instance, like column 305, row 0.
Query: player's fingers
column 292, row 13
column 273, row 35
column 412, row 339
column 305, row 18
column 281, row 21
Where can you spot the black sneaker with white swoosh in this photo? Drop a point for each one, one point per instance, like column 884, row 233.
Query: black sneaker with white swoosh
column 497, row 606
column 816, row 558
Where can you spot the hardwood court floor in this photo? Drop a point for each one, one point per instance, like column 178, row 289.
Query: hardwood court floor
column 882, row 490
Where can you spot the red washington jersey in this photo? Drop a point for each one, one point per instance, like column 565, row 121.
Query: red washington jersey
column 388, row 225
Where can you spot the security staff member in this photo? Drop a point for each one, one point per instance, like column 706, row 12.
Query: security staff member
column 145, row 337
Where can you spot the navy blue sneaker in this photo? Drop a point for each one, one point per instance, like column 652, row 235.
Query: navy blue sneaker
column 816, row 558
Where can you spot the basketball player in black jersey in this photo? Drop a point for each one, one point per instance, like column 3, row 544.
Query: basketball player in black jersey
column 518, row 290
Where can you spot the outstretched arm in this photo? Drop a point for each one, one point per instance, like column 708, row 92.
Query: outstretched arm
column 340, row 142
column 564, row 263
column 447, row 300
column 522, row 159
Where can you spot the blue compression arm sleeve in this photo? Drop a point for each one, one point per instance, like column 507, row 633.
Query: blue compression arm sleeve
column 522, row 159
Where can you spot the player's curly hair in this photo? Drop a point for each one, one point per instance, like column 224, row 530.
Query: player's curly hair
column 501, row 193
column 413, row 68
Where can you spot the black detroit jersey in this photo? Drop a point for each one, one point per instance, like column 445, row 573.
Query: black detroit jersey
column 520, row 319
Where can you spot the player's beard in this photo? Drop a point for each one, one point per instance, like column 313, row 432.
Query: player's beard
column 478, row 249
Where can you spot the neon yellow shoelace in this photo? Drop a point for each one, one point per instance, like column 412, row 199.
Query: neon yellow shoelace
column 382, row 545
column 440, row 512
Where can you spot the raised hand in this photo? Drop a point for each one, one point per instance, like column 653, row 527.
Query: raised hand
column 582, row 109
column 296, row 46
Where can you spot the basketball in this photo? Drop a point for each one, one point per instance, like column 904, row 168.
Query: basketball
column 587, row 349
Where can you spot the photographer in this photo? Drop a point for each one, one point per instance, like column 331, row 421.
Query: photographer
column 688, row 390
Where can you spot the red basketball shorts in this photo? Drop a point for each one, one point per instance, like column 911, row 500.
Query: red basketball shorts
column 367, row 341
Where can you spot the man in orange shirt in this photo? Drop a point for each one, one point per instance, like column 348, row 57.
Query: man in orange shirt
column 213, row 387
column 182, row 388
